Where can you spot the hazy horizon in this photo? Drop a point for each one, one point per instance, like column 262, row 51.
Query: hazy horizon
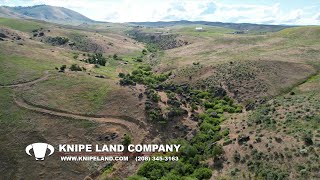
column 282, row 12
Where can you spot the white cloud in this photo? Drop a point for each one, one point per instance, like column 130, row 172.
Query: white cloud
column 207, row 10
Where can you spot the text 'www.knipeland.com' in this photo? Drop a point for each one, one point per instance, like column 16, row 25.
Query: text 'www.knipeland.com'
column 94, row 158
column 118, row 152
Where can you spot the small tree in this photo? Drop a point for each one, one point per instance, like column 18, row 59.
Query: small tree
column 217, row 151
column 97, row 59
column 75, row 67
column 121, row 75
column 202, row 173
column 236, row 157
column 63, row 68
column 75, row 56
column 126, row 140
column 144, row 51
column 194, row 107
column 307, row 138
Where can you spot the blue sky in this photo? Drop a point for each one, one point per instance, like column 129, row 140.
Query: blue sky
column 298, row 12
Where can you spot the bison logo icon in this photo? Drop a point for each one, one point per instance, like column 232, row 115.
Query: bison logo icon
column 39, row 150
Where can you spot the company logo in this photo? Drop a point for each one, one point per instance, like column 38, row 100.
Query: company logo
column 39, row 150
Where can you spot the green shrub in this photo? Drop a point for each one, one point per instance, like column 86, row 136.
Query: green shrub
column 217, row 151
column 57, row 41
column 75, row 67
column 144, row 51
column 155, row 115
column 171, row 176
column 75, row 56
column 194, row 106
column 206, row 127
column 225, row 132
column 126, row 140
column 307, row 138
column 153, row 170
column 127, row 81
column 139, row 59
column 153, row 95
column 121, row 75
column 188, row 150
column 97, row 59
column 63, row 67
column 136, row 177
column 202, row 173
column 236, row 157
column 152, row 47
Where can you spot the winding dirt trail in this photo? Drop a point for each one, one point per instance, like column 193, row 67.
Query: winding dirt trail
column 135, row 130
column 135, row 127
column 28, row 83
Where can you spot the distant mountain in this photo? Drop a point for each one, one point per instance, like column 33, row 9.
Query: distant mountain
column 44, row 12
column 235, row 26
column 8, row 13
column 66, row 16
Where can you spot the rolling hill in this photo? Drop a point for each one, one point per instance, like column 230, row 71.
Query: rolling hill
column 242, row 105
column 44, row 12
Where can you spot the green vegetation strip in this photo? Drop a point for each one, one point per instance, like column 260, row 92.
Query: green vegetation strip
column 203, row 145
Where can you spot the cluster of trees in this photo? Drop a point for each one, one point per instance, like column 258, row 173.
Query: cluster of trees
column 73, row 67
column 143, row 75
column 57, row 41
column 175, row 109
column 152, row 95
column 97, row 58
column 171, row 171
column 151, row 47
column 189, row 165
column 203, row 145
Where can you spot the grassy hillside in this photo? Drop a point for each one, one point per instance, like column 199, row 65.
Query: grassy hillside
column 31, row 82
column 70, row 92
column 284, row 137
column 253, row 69
column 252, row 97
column 21, row 25
column 21, row 127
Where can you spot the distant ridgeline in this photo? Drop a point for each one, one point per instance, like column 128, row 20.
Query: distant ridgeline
column 235, row 26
